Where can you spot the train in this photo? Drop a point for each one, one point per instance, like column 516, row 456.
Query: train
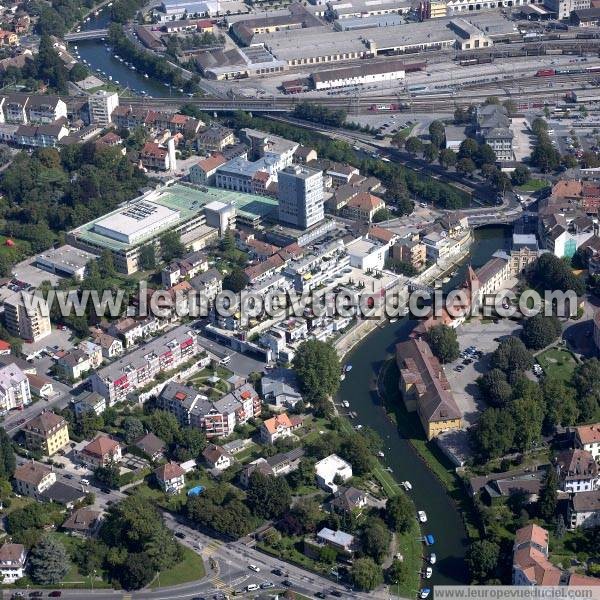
column 566, row 71
column 389, row 107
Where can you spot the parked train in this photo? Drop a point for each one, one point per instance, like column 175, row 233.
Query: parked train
column 389, row 107
column 566, row 71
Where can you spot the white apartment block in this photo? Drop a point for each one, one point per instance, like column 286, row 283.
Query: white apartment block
column 101, row 105
column 32, row 325
column 14, row 388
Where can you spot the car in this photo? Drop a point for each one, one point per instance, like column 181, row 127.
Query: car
column 55, row 594
column 320, row 595
column 252, row 587
column 336, row 593
column 37, row 594
column 180, row 535
column 266, row 585
column 467, row 361
column 254, row 568
column 287, row 583
column 106, row 490
column 277, row 572
column 68, row 476
column 422, row 516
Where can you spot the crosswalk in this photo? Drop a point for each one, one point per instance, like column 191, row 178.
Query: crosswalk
column 210, row 548
column 219, row 584
column 126, row 597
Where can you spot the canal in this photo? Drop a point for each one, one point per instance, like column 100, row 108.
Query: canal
column 99, row 56
column 359, row 388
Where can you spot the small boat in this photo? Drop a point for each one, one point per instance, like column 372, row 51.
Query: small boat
column 407, row 485
column 107, row 49
column 96, row 13
column 446, row 280
column 358, row 427
column 394, row 320
column 348, row 368
column 75, row 47
column 389, row 469
column 429, row 539
column 145, row 75
column 424, row 593
column 109, row 4
column 345, row 404
column 428, row 573
column 422, row 516
column 110, row 77
column 381, row 454
column 432, row 558
column 342, row 377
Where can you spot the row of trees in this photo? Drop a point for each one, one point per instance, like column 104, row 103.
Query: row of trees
column 320, row 114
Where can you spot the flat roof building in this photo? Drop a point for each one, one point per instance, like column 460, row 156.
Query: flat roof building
column 66, row 261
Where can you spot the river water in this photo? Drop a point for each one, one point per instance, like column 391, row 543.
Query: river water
column 444, row 520
column 98, row 57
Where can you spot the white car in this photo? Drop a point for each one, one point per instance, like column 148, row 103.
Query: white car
column 252, row 587
column 254, row 568
column 422, row 516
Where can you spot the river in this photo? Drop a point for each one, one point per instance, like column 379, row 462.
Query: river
column 444, row 520
column 98, row 57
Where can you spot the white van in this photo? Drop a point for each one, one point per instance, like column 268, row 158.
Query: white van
column 225, row 360
column 252, row 587
column 85, row 482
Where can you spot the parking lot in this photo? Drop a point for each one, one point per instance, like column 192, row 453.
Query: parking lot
column 484, row 337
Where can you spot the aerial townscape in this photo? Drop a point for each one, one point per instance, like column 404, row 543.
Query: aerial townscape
column 299, row 299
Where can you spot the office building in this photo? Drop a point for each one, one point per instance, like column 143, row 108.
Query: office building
column 300, row 195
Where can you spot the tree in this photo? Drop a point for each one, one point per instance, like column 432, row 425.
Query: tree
column 78, row 72
column 148, row 257
column 437, row 134
column 545, row 157
column 495, row 388
column 106, row 265
column 109, row 475
column 137, row 572
column 548, row 499
column 528, row 416
column 383, row 214
column 236, row 281
column 511, row 356
column 447, row 158
column 484, row 155
column 443, row 342
column 465, row 166
column 468, row 149
column 164, row 425
column 133, row 429
column 494, row 433
column 7, row 456
column 539, row 126
column 561, row 406
column 171, row 246
column 318, row 368
column 413, row 145
column 430, row 152
column 540, row 331
column 375, row 539
column 365, row 574
column 268, row 496
column 521, row 175
column 482, row 558
column 48, row 562
column 549, row 272
column 398, row 573
column 399, row 513
column 189, row 444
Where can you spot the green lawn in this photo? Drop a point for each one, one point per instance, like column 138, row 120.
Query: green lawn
column 558, row 363
column 533, row 185
column 190, row 568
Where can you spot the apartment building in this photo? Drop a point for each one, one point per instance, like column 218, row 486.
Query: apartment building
column 48, row 433
column 32, row 479
column 25, row 108
column 14, row 388
column 30, row 326
column 101, row 106
column 183, row 401
column 138, row 368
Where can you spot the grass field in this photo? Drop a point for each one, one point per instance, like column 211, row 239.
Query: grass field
column 533, row 185
column 558, row 363
column 190, row 568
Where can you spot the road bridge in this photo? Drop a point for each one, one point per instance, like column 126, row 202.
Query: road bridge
column 90, row 34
